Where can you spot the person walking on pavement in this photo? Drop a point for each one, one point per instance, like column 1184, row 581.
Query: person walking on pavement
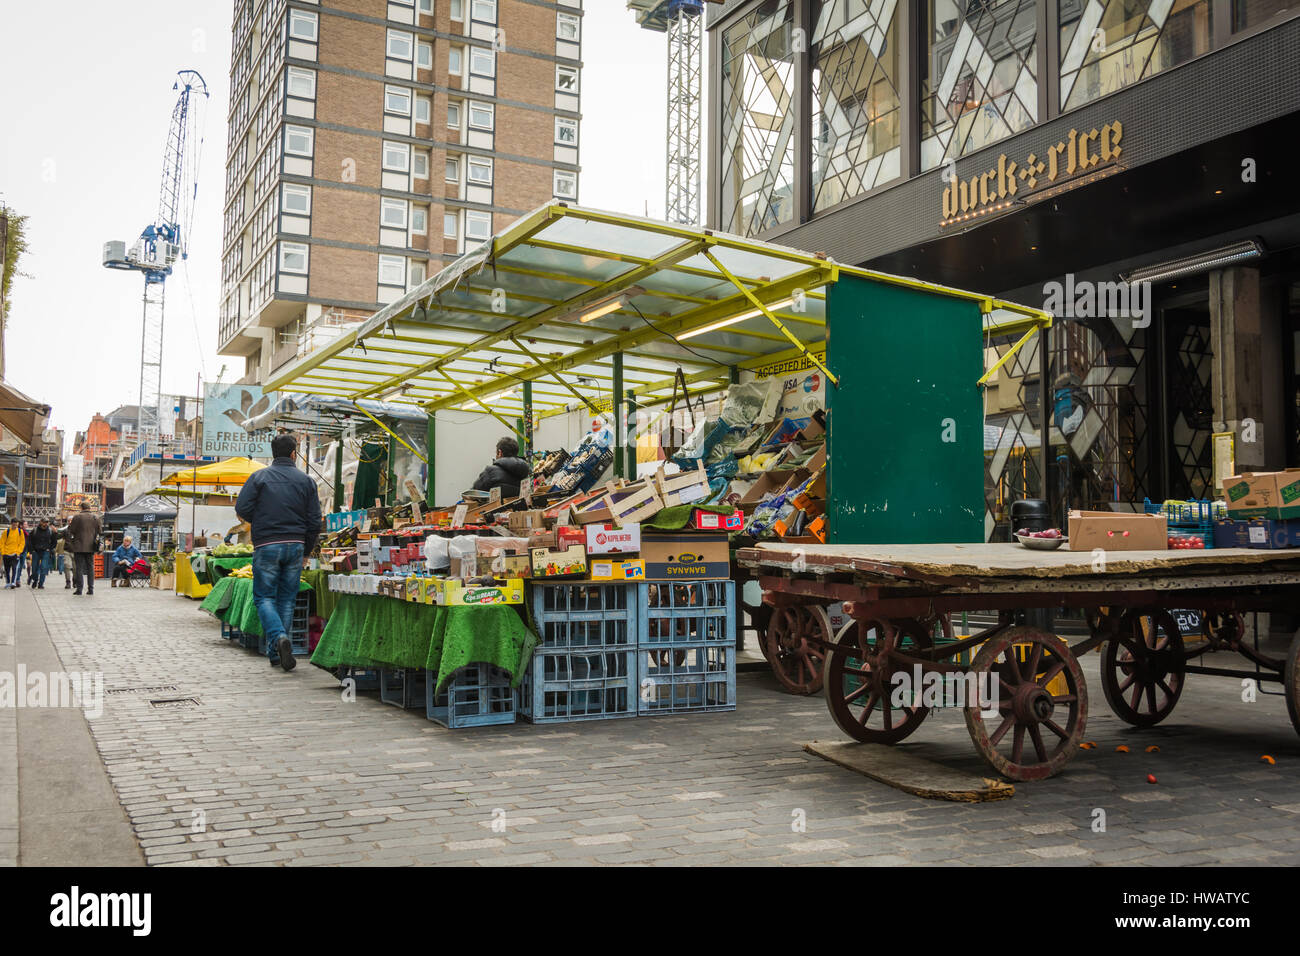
column 83, row 532
column 63, row 557
column 21, row 570
column 39, row 544
column 281, row 505
column 12, row 544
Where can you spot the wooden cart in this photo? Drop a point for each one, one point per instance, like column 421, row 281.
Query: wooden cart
column 1026, row 702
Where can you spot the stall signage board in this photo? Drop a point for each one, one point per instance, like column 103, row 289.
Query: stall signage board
column 225, row 408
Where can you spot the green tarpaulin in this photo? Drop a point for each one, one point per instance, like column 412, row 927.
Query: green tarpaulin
column 231, row 600
column 676, row 517
column 372, row 631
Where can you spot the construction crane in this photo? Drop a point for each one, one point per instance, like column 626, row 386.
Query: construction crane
column 162, row 242
column 683, row 21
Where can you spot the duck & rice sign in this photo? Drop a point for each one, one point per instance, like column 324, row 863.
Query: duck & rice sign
column 225, row 409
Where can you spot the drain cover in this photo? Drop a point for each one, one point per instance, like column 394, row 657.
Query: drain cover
column 154, row 689
column 176, row 702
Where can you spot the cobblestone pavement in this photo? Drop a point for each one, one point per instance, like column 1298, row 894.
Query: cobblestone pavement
column 283, row 771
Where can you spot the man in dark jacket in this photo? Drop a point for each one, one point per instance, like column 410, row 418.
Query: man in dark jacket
column 506, row 472
column 281, row 505
column 83, row 531
column 39, row 545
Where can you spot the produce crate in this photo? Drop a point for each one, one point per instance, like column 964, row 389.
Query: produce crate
column 297, row 631
column 402, row 687
column 686, row 678
column 690, row 612
column 364, row 679
column 585, row 614
column 1187, row 519
column 562, row 686
column 477, row 695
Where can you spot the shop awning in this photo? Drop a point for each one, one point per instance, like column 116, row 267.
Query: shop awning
column 24, row 418
column 232, row 471
column 553, row 298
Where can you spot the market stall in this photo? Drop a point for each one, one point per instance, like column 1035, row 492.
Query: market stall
column 194, row 575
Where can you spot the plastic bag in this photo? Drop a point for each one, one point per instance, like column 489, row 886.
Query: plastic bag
column 751, row 402
column 436, row 556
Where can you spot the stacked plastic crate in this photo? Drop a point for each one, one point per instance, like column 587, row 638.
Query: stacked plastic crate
column 477, row 695
column 584, row 667
column 686, row 646
column 297, row 633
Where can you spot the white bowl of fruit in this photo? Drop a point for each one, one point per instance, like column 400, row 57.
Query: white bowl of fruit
column 1048, row 540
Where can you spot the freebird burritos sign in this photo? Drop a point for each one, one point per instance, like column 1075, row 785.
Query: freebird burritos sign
column 1081, row 152
column 225, row 410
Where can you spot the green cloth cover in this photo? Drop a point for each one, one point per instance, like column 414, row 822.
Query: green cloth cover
column 678, row 516
column 231, row 600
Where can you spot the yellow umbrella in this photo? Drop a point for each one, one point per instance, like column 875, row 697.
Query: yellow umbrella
column 232, row 471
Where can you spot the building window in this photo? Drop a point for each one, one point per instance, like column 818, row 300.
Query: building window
column 302, row 25
column 485, row 11
column 293, row 257
column 423, row 107
column 482, row 61
column 566, row 184
column 397, row 100
column 420, row 164
column 480, row 170
column 566, row 131
column 302, row 83
column 392, row 270
column 425, row 7
column 452, row 173
column 397, row 157
column 295, row 199
column 567, row 27
column 481, row 115
column 757, row 107
column 566, row 79
column 419, row 221
column 415, row 277
column 1105, row 47
column 1247, row 14
column 453, row 115
column 392, row 213
column 455, row 61
column 424, row 56
column 298, row 140
column 457, row 10
column 856, row 109
column 450, row 225
column 400, row 44
column 478, row 225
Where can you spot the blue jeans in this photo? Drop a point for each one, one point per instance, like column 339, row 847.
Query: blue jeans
column 40, row 565
column 277, row 569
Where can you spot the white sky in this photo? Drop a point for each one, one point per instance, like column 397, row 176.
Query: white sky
column 84, row 114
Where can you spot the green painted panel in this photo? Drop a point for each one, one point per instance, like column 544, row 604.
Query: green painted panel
column 907, row 420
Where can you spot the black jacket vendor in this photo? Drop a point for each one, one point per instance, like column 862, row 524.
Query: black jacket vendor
column 506, row 471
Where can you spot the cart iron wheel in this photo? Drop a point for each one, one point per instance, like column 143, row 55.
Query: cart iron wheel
column 1142, row 667
column 1036, row 725
column 859, row 680
column 1292, row 681
column 793, row 645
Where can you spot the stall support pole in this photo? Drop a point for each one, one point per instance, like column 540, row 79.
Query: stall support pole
column 528, row 419
column 1046, row 403
column 338, row 475
column 734, row 372
column 430, row 442
column 616, row 400
column 390, row 498
column 631, row 433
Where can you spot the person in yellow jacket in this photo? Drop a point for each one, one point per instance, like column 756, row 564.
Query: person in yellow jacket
column 13, row 543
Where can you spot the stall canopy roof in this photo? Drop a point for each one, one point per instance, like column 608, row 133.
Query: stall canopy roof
column 232, row 471
column 144, row 508
column 25, row 418
column 554, row 296
column 332, row 415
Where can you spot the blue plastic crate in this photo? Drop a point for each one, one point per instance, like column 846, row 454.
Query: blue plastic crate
column 229, row 633
column 689, row 612
column 683, row 679
column 572, row 685
column 362, row 679
column 477, row 695
column 402, row 687
column 585, row 614
column 297, row 632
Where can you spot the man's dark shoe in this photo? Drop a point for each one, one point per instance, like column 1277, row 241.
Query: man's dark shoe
column 284, row 647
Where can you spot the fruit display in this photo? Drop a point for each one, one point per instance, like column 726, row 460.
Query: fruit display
column 1049, row 533
column 232, row 551
column 1190, row 542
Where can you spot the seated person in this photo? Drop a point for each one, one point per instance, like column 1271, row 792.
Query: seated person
column 126, row 555
column 506, row 472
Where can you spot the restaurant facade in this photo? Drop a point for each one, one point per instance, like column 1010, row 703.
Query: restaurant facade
column 1129, row 166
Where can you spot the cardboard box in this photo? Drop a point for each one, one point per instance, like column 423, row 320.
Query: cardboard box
column 1118, row 531
column 1273, row 534
column 625, row 570
column 712, row 521
column 608, row 539
column 685, row 555
column 513, row 565
column 456, row 594
column 558, row 564
column 1230, row 533
column 466, row 567
column 526, row 520
column 1264, row 494
column 683, row 488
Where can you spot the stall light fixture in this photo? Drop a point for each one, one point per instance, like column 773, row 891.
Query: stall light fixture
column 723, row 323
column 1194, row 265
column 488, row 399
column 606, row 305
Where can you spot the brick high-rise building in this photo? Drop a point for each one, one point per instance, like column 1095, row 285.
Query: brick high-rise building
column 372, row 141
